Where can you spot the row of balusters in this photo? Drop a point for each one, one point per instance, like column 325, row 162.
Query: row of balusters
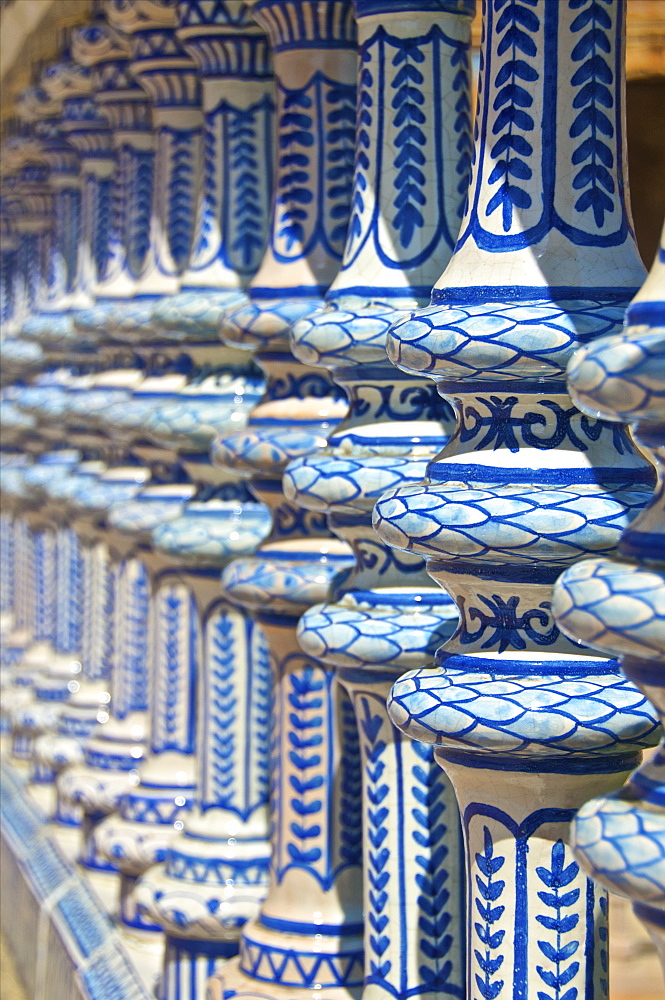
column 279, row 309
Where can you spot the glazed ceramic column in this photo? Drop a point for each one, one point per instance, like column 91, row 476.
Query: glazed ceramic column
column 527, row 725
column 233, row 60
column 618, row 605
column 126, row 108
column 215, row 872
column 34, row 226
column 9, row 261
column 411, row 177
column 168, row 76
column 64, row 287
column 308, row 932
column 69, row 83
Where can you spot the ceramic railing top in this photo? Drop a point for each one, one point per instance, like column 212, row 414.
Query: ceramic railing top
column 233, row 60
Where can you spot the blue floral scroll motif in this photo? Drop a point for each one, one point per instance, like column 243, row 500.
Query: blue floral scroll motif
column 340, row 137
column 138, row 219
column 434, row 898
column 527, row 59
column 558, row 951
column 231, row 226
column 224, row 703
column 136, row 649
column 294, row 192
column 509, row 630
column 102, row 227
column 378, row 853
column 309, row 186
column 171, row 618
column 408, row 102
column 181, row 196
column 175, row 665
column 261, row 708
column 246, row 131
column 593, row 77
column 511, row 150
column 399, row 69
column 462, row 87
column 210, row 199
column 490, row 889
column 307, row 782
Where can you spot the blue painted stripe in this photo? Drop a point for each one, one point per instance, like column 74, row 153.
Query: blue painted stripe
column 368, row 674
column 373, row 292
column 537, row 574
column 513, row 294
column 365, row 8
column 503, row 666
column 309, row 928
column 314, row 292
column 194, row 946
column 566, row 764
column 452, row 472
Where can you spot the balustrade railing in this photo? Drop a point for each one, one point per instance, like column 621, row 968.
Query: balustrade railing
column 331, row 566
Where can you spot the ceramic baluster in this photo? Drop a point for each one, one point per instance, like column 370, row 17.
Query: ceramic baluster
column 114, row 751
column 527, row 724
column 410, row 181
column 168, row 76
column 50, row 675
column 18, row 550
column 64, row 290
column 616, row 605
column 69, row 83
column 308, row 930
column 9, row 257
column 233, row 60
column 127, row 109
column 215, row 871
column 30, row 203
column 89, row 702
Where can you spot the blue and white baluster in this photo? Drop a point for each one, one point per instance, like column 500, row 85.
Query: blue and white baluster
column 232, row 213
column 64, row 290
column 88, row 131
column 308, row 931
column 30, row 198
column 50, row 677
column 89, row 701
column 215, row 872
column 9, row 252
column 168, row 76
column 314, row 52
column 527, row 724
column 411, row 177
column 127, row 109
column 618, row 605
column 114, row 750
